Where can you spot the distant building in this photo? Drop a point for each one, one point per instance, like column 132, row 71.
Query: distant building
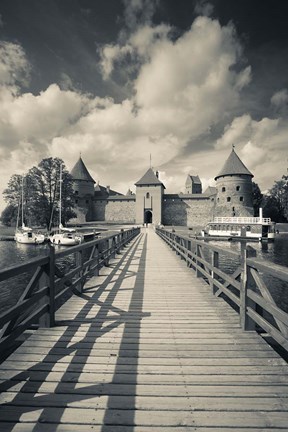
column 193, row 185
column 150, row 204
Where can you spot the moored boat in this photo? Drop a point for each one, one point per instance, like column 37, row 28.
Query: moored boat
column 246, row 228
column 65, row 237
column 26, row 235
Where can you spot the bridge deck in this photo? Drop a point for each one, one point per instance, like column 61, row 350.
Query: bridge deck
column 145, row 348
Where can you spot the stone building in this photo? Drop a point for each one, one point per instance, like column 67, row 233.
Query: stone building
column 234, row 188
column 150, row 204
column 193, row 185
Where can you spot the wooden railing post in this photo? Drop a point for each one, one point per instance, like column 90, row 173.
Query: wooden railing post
column 198, row 255
column 215, row 264
column 106, row 251
column 96, row 255
column 79, row 263
column 52, row 285
column 48, row 279
column 246, row 282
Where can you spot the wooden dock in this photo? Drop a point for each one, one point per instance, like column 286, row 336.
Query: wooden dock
column 146, row 347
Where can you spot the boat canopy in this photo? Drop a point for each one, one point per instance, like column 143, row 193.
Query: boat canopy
column 71, row 230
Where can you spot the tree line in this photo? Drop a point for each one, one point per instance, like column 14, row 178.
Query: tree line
column 274, row 202
column 41, row 190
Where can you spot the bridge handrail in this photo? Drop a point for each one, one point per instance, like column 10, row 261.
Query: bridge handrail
column 241, row 219
column 49, row 283
column 246, row 288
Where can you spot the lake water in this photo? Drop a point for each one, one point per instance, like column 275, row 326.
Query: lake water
column 277, row 252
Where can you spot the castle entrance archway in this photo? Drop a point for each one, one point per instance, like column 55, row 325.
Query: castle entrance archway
column 148, row 217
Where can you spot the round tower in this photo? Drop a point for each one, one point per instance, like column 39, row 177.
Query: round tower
column 83, row 183
column 234, row 188
column 83, row 187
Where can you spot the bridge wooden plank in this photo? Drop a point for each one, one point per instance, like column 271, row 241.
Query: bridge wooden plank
column 145, row 347
column 42, row 427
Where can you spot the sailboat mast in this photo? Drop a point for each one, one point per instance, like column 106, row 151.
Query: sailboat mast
column 22, row 206
column 60, row 196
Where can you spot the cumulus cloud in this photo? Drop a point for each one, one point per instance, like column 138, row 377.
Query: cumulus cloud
column 188, row 85
column 203, row 7
column 279, row 99
column 14, row 66
column 139, row 12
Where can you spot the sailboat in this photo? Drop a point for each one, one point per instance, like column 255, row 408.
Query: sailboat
column 24, row 234
column 64, row 236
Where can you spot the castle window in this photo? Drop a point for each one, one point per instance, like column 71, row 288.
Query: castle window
column 223, row 189
column 87, row 202
column 241, row 198
column 76, row 192
column 237, row 188
column 147, row 195
column 218, row 199
column 76, row 201
column 228, row 199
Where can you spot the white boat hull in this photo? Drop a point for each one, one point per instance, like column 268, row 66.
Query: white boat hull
column 65, row 239
column 29, row 238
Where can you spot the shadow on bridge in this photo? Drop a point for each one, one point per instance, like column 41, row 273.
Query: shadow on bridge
column 40, row 400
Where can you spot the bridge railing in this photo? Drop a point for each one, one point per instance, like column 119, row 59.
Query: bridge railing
column 52, row 278
column 244, row 288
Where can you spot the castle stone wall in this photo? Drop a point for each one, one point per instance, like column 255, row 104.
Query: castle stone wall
column 120, row 211
column 99, row 210
column 187, row 212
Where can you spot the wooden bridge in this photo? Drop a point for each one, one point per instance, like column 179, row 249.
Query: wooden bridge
column 144, row 346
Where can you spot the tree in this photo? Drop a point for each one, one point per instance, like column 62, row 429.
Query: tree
column 257, row 198
column 41, row 193
column 9, row 215
column 276, row 203
column 45, row 181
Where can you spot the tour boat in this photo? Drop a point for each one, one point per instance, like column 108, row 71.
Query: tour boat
column 244, row 228
column 23, row 234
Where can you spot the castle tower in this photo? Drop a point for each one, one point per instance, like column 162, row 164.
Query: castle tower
column 149, row 193
column 83, row 186
column 193, row 185
column 83, row 183
column 234, row 188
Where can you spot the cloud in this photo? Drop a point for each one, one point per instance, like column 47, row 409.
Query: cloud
column 279, row 99
column 139, row 12
column 188, row 85
column 203, row 7
column 14, row 66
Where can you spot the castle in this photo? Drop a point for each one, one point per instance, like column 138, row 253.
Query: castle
column 232, row 196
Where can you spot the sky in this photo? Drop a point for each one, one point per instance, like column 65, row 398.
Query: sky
column 119, row 80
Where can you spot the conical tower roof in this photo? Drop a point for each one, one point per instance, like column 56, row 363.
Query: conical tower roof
column 149, row 178
column 80, row 172
column 233, row 165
